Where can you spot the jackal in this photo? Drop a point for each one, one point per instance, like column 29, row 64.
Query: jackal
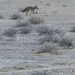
column 30, row 8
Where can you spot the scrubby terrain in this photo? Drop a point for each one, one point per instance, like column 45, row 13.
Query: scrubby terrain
column 39, row 44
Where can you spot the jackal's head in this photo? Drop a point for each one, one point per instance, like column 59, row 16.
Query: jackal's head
column 36, row 7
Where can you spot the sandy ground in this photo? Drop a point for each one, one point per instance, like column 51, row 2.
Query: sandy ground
column 18, row 54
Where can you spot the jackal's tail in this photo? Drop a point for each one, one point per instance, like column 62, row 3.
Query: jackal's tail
column 24, row 10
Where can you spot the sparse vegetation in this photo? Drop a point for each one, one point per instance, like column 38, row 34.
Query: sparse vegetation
column 62, row 41
column 10, row 32
column 15, row 17
column 59, row 31
column 22, row 24
column 66, row 42
column 40, row 42
column 49, row 34
column 23, row 27
column 24, row 30
column 48, row 48
column 46, row 38
column 55, row 36
column 45, row 30
column 36, row 20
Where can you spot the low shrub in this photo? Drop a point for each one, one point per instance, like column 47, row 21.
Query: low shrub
column 15, row 17
column 10, row 32
column 24, row 30
column 48, row 48
column 66, row 42
column 21, row 24
column 59, row 31
column 46, row 38
column 36, row 20
column 45, row 30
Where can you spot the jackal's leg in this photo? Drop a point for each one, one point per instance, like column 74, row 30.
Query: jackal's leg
column 26, row 13
column 33, row 12
column 30, row 12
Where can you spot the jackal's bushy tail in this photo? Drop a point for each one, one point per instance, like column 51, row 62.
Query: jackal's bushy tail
column 24, row 10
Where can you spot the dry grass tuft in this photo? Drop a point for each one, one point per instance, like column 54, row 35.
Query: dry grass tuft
column 45, row 30
column 24, row 30
column 22, row 24
column 15, row 17
column 66, row 42
column 48, row 48
column 36, row 20
column 10, row 32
